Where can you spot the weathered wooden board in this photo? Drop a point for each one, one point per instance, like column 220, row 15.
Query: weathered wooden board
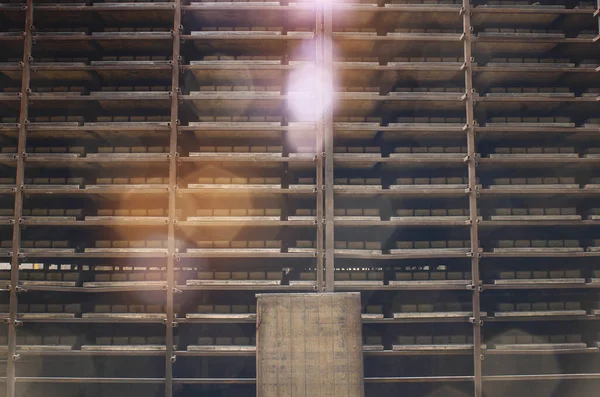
column 309, row 345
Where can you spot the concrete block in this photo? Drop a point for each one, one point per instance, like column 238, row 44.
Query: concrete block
column 424, row 340
column 455, row 275
column 557, row 339
column 437, row 275
column 354, row 212
column 308, row 276
column 223, row 341
column 273, row 244
column 356, row 245
column 422, row 212
column 104, row 340
column 372, row 245
column 155, row 276
column 204, row 244
column 572, row 305
column 501, row 181
column 406, row 340
column 120, row 244
column 574, row 338
column 273, row 275
column 507, row 275
column 310, row 244
column 222, row 275
column 572, row 273
column 358, row 275
column 372, row 340
column 55, row 308
column 408, row 308
column 505, row 307
column 37, row 308
column 551, row 181
column 205, row 309
column 68, row 340
column 378, row 276
column 204, row 341
column 222, row 309
column 519, row 211
column 371, row 212
column 239, row 308
column 455, row 180
column 118, row 276
column 421, row 244
column 441, row 340
column 241, row 340
column 439, row 212
column 458, row 339
column 524, row 339
column 420, row 275
column 256, row 275
column 136, row 309
column 137, row 340
column 46, row 340
column 403, row 276
column 70, row 276
column 271, row 212
column 119, row 309
column 566, row 180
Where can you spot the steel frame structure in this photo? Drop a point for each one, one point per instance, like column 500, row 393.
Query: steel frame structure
column 325, row 196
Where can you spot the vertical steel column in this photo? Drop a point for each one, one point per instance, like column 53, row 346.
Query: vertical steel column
column 170, row 356
column 473, row 192
column 320, row 126
column 12, row 356
column 597, row 15
column 329, row 103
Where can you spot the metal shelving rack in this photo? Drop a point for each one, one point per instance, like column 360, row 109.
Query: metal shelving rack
column 236, row 175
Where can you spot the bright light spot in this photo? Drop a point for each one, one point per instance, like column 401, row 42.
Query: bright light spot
column 310, row 92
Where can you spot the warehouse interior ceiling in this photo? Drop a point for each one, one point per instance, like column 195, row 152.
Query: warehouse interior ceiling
column 164, row 161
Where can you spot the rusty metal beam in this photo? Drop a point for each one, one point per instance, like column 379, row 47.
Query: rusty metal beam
column 173, row 155
column 20, row 175
column 473, row 193
column 320, row 128
column 327, row 74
